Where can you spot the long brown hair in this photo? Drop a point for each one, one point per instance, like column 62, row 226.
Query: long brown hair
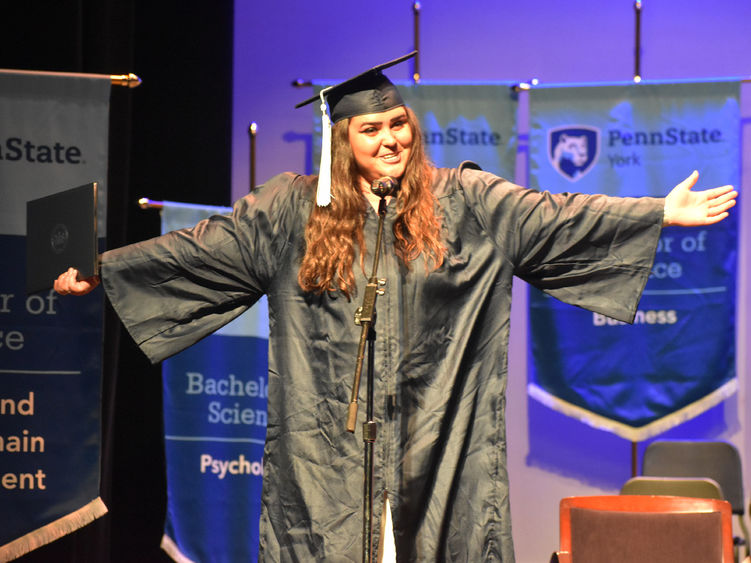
column 333, row 231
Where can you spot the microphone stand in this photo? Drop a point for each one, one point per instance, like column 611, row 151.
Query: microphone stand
column 365, row 318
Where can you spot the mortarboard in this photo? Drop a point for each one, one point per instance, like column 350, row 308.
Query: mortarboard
column 369, row 92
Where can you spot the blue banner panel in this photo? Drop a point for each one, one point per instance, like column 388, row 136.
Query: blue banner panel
column 53, row 136
column 215, row 428
column 50, row 373
column 679, row 357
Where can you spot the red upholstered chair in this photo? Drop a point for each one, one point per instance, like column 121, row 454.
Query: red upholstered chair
column 643, row 528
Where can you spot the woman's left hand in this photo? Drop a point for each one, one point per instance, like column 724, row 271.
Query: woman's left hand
column 690, row 209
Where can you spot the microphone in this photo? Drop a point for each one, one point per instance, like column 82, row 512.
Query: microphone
column 385, row 186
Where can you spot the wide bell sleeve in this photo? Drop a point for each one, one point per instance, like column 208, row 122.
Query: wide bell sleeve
column 177, row 288
column 593, row 251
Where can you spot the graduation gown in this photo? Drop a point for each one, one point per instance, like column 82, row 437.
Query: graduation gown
column 440, row 358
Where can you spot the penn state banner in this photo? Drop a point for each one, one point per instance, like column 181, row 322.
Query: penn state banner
column 460, row 122
column 679, row 357
column 53, row 136
column 214, row 431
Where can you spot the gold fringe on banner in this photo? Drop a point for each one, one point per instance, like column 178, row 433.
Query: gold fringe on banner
column 171, row 549
column 52, row 531
column 631, row 433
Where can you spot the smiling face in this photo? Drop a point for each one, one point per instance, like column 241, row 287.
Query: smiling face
column 381, row 144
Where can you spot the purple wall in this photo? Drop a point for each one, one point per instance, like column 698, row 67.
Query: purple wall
column 553, row 41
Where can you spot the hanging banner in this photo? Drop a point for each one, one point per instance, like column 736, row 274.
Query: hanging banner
column 53, row 136
column 215, row 429
column 678, row 359
column 459, row 122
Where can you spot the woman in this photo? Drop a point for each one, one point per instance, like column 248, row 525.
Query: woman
column 453, row 242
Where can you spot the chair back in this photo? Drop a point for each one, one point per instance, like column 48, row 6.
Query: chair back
column 634, row 529
column 682, row 458
column 673, row 486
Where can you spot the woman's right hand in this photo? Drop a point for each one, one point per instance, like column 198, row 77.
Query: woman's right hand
column 69, row 284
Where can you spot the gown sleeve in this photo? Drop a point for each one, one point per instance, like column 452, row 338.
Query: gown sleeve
column 593, row 251
column 177, row 288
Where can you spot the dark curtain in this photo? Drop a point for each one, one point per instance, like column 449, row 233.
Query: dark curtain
column 169, row 139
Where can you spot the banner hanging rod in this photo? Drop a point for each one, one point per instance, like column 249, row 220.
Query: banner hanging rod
column 416, row 7
column 637, row 42
column 130, row 80
column 534, row 83
column 146, row 203
column 252, row 132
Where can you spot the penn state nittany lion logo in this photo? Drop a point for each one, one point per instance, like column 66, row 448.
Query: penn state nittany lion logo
column 573, row 150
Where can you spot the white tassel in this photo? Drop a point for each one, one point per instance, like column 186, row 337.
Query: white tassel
column 323, row 193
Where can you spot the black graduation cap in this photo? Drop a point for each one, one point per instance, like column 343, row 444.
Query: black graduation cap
column 369, row 92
